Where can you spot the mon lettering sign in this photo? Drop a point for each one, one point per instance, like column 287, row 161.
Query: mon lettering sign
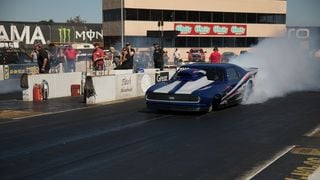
column 200, row 29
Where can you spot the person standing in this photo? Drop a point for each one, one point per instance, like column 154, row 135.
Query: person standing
column 115, row 56
column 126, row 57
column 158, row 57
column 176, row 56
column 71, row 56
column 43, row 59
column 98, row 57
column 126, row 61
column 53, row 54
column 165, row 58
column 131, row 50
column 215, row 56
column 34, row 55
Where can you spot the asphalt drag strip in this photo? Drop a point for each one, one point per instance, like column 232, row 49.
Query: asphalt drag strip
column 302, row 161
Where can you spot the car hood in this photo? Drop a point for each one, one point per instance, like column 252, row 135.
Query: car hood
column 181, row 86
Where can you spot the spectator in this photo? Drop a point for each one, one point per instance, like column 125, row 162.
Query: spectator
column 132, row 52
column 158, row 57
column 176, row 56
column 126, row 61
column 97, row 57
column 165, row 58
column 126, row 57
column 34, row 55
column 43, row 60
column 71, row 55
column 115, row 56
column 215, row 56
column 53, row 54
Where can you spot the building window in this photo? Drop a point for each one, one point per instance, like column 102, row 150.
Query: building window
column 180, row 16
column 112, row 15
column 228, row 17
column 217, row 41
column 205, row 17
column 192, row 42
column 144, row 14
column 131, row 14
column 217, row 17
column 241, row 18
column 265, row 18
column 205, row 42
column 251, row 18
column 181, row 42
column 241, row 42
column 193, row 16
column 229, row 42
column 168, row 15
column 280, row 19
column 252, row 41
column 156, row 15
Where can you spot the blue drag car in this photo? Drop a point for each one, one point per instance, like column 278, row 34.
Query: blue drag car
column 202, row 87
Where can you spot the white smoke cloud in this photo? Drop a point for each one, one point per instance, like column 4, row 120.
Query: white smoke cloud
column 284, row 67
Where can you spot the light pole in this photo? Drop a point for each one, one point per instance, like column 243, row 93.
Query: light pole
column 160, row 29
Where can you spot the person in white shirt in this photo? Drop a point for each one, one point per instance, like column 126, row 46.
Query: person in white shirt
column 176, row 56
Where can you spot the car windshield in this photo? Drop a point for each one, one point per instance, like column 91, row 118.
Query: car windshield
column 185, row 73
column 196, row 51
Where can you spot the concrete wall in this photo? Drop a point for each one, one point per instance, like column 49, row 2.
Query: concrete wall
column 59, row 84
column 123, row 85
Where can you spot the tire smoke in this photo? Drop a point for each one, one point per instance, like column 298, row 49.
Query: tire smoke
column 284, row 66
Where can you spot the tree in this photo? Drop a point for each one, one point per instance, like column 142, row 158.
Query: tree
column 76, row 20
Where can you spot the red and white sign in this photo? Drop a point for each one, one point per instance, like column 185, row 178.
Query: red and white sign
column 211, row 29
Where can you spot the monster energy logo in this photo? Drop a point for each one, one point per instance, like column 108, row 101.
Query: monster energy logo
column 64, row 35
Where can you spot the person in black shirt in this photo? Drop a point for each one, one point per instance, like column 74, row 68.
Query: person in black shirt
column 126, row 57
column 158, row 57
column 43, row 60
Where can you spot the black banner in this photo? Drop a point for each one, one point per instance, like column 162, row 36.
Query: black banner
column 29, row 33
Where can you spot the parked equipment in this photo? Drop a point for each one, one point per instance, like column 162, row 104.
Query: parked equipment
column 37, row 92
column 75, row 90
column 45, row 89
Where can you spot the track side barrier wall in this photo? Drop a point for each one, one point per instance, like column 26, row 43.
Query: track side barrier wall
column 123, row 84
column 59, row 84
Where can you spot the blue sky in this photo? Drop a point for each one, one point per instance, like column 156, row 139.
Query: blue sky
column 300, row 12
column 57, row 10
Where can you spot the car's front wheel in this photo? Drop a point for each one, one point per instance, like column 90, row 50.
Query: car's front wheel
column 216, row 101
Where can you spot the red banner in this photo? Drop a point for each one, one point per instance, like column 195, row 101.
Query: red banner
column 211, row 29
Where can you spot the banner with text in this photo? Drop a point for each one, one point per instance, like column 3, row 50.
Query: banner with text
column 200, row 29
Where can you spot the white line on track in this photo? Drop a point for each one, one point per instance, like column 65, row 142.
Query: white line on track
column 68, row 110
column 252, row 173
column 313, row 131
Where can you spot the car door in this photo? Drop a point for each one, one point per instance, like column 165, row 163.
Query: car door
column 233, row 79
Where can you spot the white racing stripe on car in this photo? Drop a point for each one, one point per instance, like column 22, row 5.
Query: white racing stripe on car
column 167, row 88
column 191, row 86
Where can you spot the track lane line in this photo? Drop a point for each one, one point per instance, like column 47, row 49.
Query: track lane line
column 256, row 170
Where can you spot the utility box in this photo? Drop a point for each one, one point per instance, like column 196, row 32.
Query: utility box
column 75, row 90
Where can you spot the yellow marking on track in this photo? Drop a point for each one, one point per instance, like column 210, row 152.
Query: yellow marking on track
column 317, row 133
column 305, row 170
column 9, row 114
column 306, row 151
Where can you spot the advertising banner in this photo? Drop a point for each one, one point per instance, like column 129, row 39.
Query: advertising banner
column 202, row 29
column 29, row 33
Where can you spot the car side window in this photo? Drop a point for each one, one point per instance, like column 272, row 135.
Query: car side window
column 232, row 74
